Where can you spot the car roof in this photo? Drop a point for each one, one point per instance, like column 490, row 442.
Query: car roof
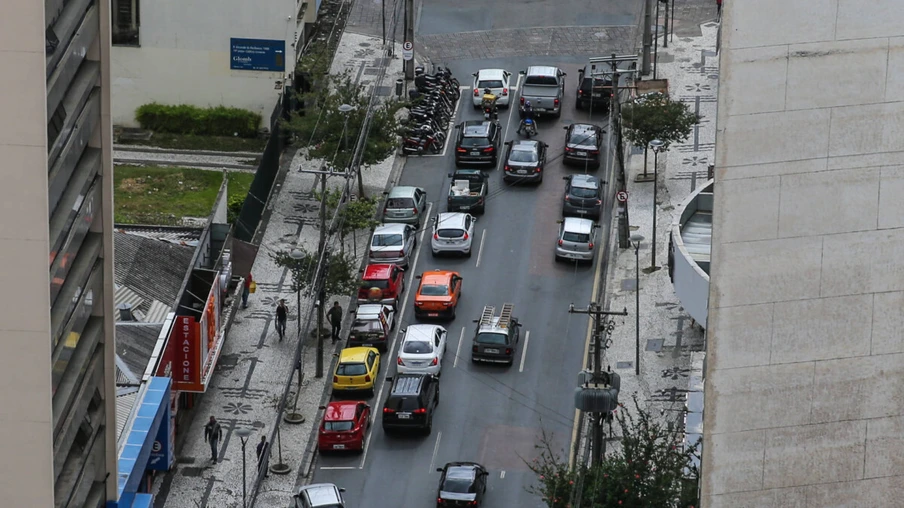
column 402, row 191
column 321, row 494
column 437, row 276
column 583, row 128
column 377, row 272
column 420, row 332
column 342, row 410
column 475, row 128
column 407, row 384
column 578, row 225
column 369, row 309
column 451, row 219
column 526, row 145
column 585, row 181
column 541, row 70
column 355, row 354
column 383, row 229
column 490, row 73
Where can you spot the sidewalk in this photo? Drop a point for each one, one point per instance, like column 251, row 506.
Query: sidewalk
column 252, row 372
column 672, row 349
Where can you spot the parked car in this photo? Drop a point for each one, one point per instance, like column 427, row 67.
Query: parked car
column 372, row 325
column 393, row 243
column 438, row 294
column 462, row 484
column 381, row 283
column 356, row 370
column 496, row 338
column 320, row 495
column 544, row 88
column 594, row 88
column 583, row 143
column 477, row 143
column 575, row 240
column 453, row 233
column 422, row 350
column 583, row 196
column 496, row 80
column 344, row 426
column 411, row 402
column 405, row 205
column 525, row 160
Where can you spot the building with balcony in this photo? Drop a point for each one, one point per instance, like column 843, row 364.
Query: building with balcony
column 58, row 425
column 689, row 252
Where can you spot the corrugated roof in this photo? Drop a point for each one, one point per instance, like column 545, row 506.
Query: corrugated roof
column 157, row 312
column 151, row 268
column 124, row 405
column 122, row 378
column 172, row 234
column 124, row 295
column 135, row 344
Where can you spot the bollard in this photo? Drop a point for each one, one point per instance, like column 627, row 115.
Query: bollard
column 399, row 85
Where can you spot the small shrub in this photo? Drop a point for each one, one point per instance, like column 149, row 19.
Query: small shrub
column 234, row 207
column 187, row 119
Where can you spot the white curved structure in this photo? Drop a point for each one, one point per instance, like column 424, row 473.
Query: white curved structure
column 689, row 252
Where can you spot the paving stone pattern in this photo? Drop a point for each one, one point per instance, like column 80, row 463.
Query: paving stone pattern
column 690, row 14
column 366, row 17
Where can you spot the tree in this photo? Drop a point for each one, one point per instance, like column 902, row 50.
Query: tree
column 354, row 216
column 341, row 275
column 654, row 116
column 651, row 469
column 323, row 129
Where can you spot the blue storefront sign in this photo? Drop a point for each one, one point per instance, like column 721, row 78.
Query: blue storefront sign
column 152, row 408
column 162, row 456
column 257, row 55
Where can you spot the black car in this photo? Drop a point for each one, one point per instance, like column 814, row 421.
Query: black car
column 594, row 88
column 462, row 484
column 478, row 143
column 583, row 142
column 525, row 160
column 411, row 403
column 583, row 197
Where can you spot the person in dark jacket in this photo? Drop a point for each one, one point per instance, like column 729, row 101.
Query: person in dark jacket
column 213, row 433
column 282, row 313
column 335, row 316
column 261, row 452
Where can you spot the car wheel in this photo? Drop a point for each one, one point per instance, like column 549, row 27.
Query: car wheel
column 558, row 259
column 370, row 393
column 434, row 253
column 429, row 428
column 578, row 105
column 468, row 253
column 453, row 312
column 436, row 400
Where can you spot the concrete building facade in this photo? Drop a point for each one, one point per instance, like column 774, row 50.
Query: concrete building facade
column 230, row 53
column 57, row 429
column 805, row 353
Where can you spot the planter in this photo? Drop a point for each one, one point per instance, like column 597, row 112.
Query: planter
column 326, row 333
column 651, row 85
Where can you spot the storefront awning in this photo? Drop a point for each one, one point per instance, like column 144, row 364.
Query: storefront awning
column 140, row 434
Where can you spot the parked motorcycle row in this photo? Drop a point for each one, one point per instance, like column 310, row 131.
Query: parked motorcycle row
column 434, row 100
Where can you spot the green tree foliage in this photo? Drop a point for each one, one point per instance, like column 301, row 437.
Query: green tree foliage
column 341, row 276
column 354, row 216
column 651, row 469
column 188, row 119
column 655, row 116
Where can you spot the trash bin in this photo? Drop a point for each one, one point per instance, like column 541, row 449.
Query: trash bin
column 399, row 85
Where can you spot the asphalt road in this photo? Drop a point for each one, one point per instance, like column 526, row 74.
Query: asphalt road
column 492, row 415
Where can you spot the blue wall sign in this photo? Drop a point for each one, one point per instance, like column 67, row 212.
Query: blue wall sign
column 162, row 456
column 257, row 55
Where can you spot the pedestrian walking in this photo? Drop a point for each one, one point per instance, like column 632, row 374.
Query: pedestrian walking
column 261, row 453
column 213, row 433
column 282, row 313
column 335, row 315
column 249, row 281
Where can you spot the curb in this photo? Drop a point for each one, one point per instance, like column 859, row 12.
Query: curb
column 183, row 164
column 153, row 149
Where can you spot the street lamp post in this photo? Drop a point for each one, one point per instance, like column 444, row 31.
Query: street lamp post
column 243, row 434
column 635, row 242
column 657, row 146
column 297, row 255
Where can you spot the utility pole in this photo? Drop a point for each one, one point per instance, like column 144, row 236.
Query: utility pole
column 409, row 37
column 665, row 39
column 602, row 330
column 647, row 37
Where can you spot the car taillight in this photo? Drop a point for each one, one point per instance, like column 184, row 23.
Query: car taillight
column 476, row 93
column 580, row 93
column 466, row 235
column 590, row 245
column 489, row 149
column 439, row 500
column 461, row 150
column 434, row 362
column 472, row 503
column 599, row 202
column 386, row 410
column 414, row 210
column 480, row 201
column 568, row 149
column 555, row 102
column 445, row 304
column 335, row 379
column 401, row 253
column 367, row 379
column 436, row 236
column 418, row 304
column 420, row 411
column 522, row 100
column 560, row 243
column 400, row 362
column 474, row 349
column 508, row 350
column 506, row 168
column 567, row 198
column 594, row 152
column 505, row 91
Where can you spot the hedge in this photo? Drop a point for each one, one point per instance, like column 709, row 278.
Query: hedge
column 186, row 119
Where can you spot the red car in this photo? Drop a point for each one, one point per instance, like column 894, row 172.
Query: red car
column 381, row 283
column 344, row 426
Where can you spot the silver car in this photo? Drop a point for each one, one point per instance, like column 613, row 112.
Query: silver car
column 320, row 495
column 453, row 233
column 392, row 243
column 575, row 240
column 422, row 350
column 405, row 205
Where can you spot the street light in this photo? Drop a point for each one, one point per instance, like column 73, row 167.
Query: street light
column 635, row 242
column 658, row 146
column 243, row 434
column 297, row 255
column 294, row 416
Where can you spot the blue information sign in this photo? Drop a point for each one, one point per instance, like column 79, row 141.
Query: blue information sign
column 257, row 55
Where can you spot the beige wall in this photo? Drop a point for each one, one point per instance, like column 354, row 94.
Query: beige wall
column 25, row 421
column 805, row 359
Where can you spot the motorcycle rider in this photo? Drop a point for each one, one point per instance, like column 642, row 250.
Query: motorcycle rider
column 489, row 103
column 527, row 112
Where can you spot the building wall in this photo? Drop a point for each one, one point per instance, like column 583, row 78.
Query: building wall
column 55, row 330
column 805, row 356
column 183, row 55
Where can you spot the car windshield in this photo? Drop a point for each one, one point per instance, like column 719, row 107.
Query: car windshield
column 582, row 138
column 450, row 233
column 434, row 290
column 399, row 203
column 403, row 403
column 583, row 192
column 458, row 485
column 576, row 237
column 523, row 156
column 489, row 83
column 491, row 338
column 417, row 347
column 388, row 240
column 382, row 284
column 338, row 426
column 351, row 369
column 366, row 326
column 474, row 141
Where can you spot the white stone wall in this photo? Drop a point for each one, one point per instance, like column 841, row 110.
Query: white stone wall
column 805, row 364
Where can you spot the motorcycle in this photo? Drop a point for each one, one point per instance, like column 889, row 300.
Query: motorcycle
column 528, row 127
column 491, row 112
column 442, row 80
column 417, row 140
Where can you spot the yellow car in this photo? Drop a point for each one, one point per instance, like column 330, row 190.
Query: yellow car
column 357, row 370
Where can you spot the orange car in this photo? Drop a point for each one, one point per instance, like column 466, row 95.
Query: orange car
column 438, row 294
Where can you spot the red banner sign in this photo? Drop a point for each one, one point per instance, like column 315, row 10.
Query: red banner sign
column 186, row 358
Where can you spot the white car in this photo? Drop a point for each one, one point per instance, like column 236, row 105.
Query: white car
column 422, row 350
column 453, row 233
column 496, row 80
column 392, row 244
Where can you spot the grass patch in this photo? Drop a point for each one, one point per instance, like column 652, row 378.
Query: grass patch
column 193, row 142
column 162, row 196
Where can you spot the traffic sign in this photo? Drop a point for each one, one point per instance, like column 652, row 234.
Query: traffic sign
column 622, row 196
column 407, row 50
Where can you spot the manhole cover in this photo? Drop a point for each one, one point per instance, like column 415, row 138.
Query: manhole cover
column 655, row 344
column 191, row 471
column 624, row 365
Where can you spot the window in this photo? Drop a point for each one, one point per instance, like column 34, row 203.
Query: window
column 351, row 369
column 568, row 236
column 541, row 80
column 523, row 156
column 492, row 338
column 380, row 284
column 450, row 233
column 392, row 203
column 367, row 326
column 489, row 83
column 387, row 240
column 583, row 192
column 126, row 20
column 417, row 347
column 434, row 290
column 338, row 426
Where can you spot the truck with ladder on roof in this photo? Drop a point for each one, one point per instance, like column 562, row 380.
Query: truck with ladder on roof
column 496, row 337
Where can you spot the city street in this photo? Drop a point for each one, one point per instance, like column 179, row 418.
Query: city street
column 492, row 415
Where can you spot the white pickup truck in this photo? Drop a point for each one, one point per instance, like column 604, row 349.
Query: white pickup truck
column 544, row 87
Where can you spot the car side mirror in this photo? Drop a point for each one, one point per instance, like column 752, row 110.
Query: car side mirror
column 458, row 126
column 522, row 72
column 474, row 74
column 404, row 330
column 450, row 176
column 335, row 355
column 565, row 177
column 389, row 378
column 439, row 470
column 361, row 271
column 560, row 221
column 341, row 489
column 418, row 277
column 565, row 127
column 564, row 74
column 322, row 407
column 508, row 143
column 476, row 320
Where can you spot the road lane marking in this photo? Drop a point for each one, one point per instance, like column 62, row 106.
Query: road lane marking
column 448, row 141
column 395, row 337
column 337, row 467
column 502, row 474
column 596, row 286
column 508, row 122
column 483, row 235
column 461, row 339
column 439, row 437
column 524, row 351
